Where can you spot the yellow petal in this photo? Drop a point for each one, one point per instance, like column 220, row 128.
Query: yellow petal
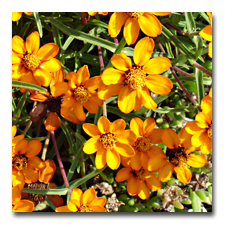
column 202, row 120
column 136, row 125
column 106, row 91
column 48, row 51
column 18, row 179
column 73, row 205
column 206, row 33
column 77, row 194
column 118, row 126
column 192, row 127
column 123, row 174
column 100, row 201
column 103, row 125
column 100, row 158
column 131, row 30
column 146, row 99
column 126, row 137
column 210, row 49
column 149, row 125
column 124, row 149
column 112, row 76
column 170, row 138
column 92, row 145
column 113, row 159
column 91, row 129
column 199, row 138
column 24, row 206
column 42, row 76
column 89, row 195
column 116, row 22
column 16, row 16
column 63, row 209
column 33, row 42
column 161, row 13
column 52, row 122
column 143, row 50
column 121, row 61
column 183, row 175
column 18, row 44
column 150, row 25
column 196, row 160
column 51, row 65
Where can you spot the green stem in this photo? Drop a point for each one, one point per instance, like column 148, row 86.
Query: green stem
column 27, row 127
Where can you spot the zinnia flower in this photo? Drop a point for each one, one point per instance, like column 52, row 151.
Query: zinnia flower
column 133, row 21
column 19, row 205
column 146, row 137
column 94, row 13
column 140, row 182
column 179, row 150
column 15, row 139
column 201, row 128
column 79, row 92
column 138, row 78
column 84, row 202
column 17, row 15
column 109, row 141
column 25, row 163
column 31, row 63
column 206, row 33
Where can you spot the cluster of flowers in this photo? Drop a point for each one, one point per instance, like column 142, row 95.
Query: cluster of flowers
column 135, row 148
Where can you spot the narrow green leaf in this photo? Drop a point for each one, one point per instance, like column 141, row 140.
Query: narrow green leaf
column 56, row 36
column 16, row 83
column 195, row 201
column 199, row 83
column 37, row 138
column 50, row 204
column 24, row 29
column 19, row 107
column 161, row 98
column 205, row 16
column 13, row 105
column 79, row 35
column 190, row 22
column 38, row 22
column 62, row 191
column 172, row 110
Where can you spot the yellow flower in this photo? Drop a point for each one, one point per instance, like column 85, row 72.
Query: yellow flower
column 79, row 92
column 109, row 141
column 140, row 182
column 32, row 64
column 201, row 128
column 25, row 163
column 84, row 202
column 146, row 137
column 17, row 15
column 206, row 33
column 138, row 78
column 178, row 150
column 19, row 205
column 133, row 22
column 94, row 13
column 15, row 139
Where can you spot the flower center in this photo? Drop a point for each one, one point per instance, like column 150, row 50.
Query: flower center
column 135, row 78
column 135, row 14
column 54, row 103
column 209, row 131
column 84, row 208
column 177, row 157
column 81, row 94
column 36, row 198
column 31, row 61
column 108, row 140
column 142, row 144
column 19, row 162
column 142, row 174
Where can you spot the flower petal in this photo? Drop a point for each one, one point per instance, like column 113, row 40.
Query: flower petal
column 77, row 194
column 136, row 161
column 68, row 113
column 146, row 99
column 199, row 138
column 106, row 91
column 79, row 111
column 113, row 159
column 192, row 127
column 118, row 126
column 155, row 150
column 36, row 163
column 126, row 137
column 18, row 44
column 51, row 65
column 21, row 147
column 206, row 33
column 91, row 129
column 136, row 125
column 133, row 186
column 82, row 75
column 89, row 195
column 170, row 138
column 144, row 191
column 123, row 174
column 202, row 120
column 48, row 172
column 183, row 175
column 156, row 136
column 156, row 162
column 124, row 149
column 48, row 51
column 91, row 106
column 150, row 24
column 52, row 122
column 18, row 179
column 24, row 206
column 97, row 208
column 34, row 147
column 16, row 195
column 16, row 16
column 112, row 76
column 93, row 83
column 59, row 88
column 121, row 62
column 30, row 174
column 100, row 201
column 116, row 22
column 63, row 209
column 73, row 205
column 166, row 172
column 33, row 42
column 92, row 145
column 103, row 125
column 153, row 182
column 148, row 125
column 196, row 160
column 100, row 158
column 42, row 76
column 131, row 30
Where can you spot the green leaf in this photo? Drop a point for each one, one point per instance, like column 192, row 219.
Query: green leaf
column 204, row 196
column 195, row 201
column 190, row 22
column 161, row 98
column 38, row 22
column 79, row 35
column 24, row 29
column 62, row 191
column 16, row 83
column 199, row 83
column 172, row 110
column 20, row 104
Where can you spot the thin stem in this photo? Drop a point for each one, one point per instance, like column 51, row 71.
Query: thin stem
column 183, row 72
column 203, row 69
column 44, row 151
column 38, row 128
column 176, row 29
column 175, row 76
column 59, row 159
column 27, row 127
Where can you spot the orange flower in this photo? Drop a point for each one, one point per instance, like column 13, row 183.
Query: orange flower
column 206, row 33
column 133, row 21
column 94, row 13
column 25, row 163
column 139, row 78
column 19, row 205
column 109, row 141
column 146, row 137
column 84, row 202
column 15, row 139
column 201, row 128
column 31, row 63
column 79, row 92
column 17, row 15
column 178, row 150
column 140, row 182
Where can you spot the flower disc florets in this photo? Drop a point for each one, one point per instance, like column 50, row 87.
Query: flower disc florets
column 31, row 61
column 19, row 162
column 177, row 157
column 135, row 14
column 142, row 144
column 108, row 140
column 81, row 94
column 142, row 174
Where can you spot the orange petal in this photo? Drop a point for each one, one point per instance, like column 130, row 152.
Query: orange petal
column 18, row 179
column 136, row 125
column 150, row 24
column 97, row 208
column 16, row 16
column 166, row 172
column 144, row 191
column 30, row 174
column 113, row 159
column 18, row 44
column 192, row 127
column 131, row 30
column 153, row 182
column 24, row 206
column 40, row 96
column 51, row 65
column 33, row 42
column 170, row 138
column 92, row 145
column 77, row 195
column 48, row 172
column 149, row 125
column 106, row 91
column 161, row 13
column 136, row 161
column 91, row 106
column 206, row 33
column 103, row 125
column 34, row 147
column 68, row 113
column 202, row 120
column 42, row 76
column 63, row 209
column 144, row 160
column 73, row 205
column 156, row 162
column 156, row 136
column 52, row 122
column 100, row 158
column 89, row 195
column 79, row 111
column 91, row 129
column 100, row 201
column 126, row 99
column 36, row 162
column 112, row 76
column 82, row 75
column 93, row 83
column 155, row 150
column 143, row 50
column 48, row 51
column 16, row 195
column 116, row 22
column 123, row 174
column 196, row 160
column 121, row 62
column 21, row 147
column 126, row 137
column 118, row 126
column 69, row 101
column 124, row 149
column 133, row 186
column 199, row 138
column 183, row 175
